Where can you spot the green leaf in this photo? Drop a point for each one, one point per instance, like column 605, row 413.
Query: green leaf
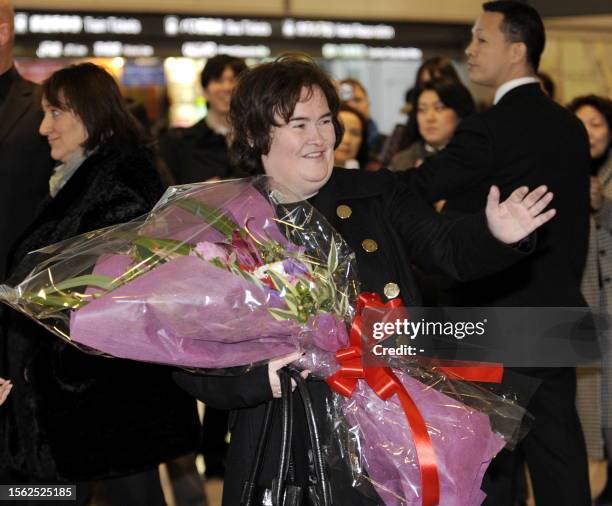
column 249, row 277
column 281, row 283
column 103, row 282
column 292, row 305
column 143, row 253
column 214, row 218
column 282, row 315
column 57, row 301
column 161, row 246
column 218, row 263
column 332, row 259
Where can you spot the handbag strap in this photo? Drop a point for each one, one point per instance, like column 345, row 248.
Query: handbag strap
column 322, row 483
column 280, row 482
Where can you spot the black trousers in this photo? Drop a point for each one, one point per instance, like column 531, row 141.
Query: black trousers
column 553, row 449
column 214, row 447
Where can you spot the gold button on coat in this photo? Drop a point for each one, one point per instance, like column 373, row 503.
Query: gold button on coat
column 370, row 245
column 391, row 290
column 343, row 211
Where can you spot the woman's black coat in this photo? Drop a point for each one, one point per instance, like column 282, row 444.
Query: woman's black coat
column 72, row 415
column 405, row 230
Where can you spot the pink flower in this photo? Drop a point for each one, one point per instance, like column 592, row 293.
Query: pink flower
column 210, row 250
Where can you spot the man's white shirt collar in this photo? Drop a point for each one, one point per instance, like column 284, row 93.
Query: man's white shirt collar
column 510, row 85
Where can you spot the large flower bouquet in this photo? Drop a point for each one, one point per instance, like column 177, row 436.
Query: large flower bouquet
column 235, row 273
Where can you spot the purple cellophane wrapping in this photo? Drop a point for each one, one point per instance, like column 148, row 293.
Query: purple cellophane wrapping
column 158, row 317
column 462, row 440
column 461, row 436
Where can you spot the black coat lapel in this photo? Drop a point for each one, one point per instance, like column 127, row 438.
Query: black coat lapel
column 345, row 184
column 18, row 102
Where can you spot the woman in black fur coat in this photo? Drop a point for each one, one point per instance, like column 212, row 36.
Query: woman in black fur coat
column 74, row 416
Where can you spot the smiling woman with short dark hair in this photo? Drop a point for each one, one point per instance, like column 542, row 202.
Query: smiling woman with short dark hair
column 284, row 115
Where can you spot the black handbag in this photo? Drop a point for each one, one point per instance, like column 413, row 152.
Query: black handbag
column 284, row 491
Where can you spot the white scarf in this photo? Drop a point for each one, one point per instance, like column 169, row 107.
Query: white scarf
column 64, row 171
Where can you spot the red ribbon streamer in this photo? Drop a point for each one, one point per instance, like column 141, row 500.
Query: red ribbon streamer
column 385, row 384
column 491, row 373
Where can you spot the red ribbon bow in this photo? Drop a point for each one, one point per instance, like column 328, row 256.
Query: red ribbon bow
column 385, row 384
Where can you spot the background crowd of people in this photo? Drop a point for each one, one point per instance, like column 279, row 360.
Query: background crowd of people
column 70, row 164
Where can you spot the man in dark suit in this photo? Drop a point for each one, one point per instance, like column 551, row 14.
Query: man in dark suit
column 25, row 164
column 524, row 139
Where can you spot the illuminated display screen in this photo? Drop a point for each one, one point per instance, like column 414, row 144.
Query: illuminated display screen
column 70, row 35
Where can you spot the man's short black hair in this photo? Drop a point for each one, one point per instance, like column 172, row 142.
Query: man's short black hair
column 216, row 65
column 521, row 23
